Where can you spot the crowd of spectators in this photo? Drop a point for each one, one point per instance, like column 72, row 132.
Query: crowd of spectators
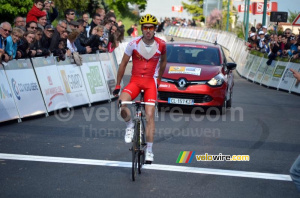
column 274, row 44
column 36, row 36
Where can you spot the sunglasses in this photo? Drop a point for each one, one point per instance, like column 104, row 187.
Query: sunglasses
column 72, row 13
column 33, row 27
column 151, row 28
column 287, row 33
column 111, row 21
column 6, row 30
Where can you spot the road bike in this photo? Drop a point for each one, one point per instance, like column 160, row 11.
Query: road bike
column 139, row 144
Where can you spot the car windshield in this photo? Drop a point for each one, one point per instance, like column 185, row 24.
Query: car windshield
column 193, row 54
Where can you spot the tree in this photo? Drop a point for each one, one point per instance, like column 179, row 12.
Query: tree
column 79, row 6
column 214, row 20
column 121, row 7
column 292, row 16
column 9, row 9
column 195, row 8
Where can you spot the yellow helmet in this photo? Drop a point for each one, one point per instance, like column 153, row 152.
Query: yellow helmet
column 148, row 18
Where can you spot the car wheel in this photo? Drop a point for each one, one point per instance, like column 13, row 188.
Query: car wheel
column 222, row 109
column 229, row 102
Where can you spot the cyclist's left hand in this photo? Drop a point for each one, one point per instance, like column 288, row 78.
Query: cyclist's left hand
column 117, row 90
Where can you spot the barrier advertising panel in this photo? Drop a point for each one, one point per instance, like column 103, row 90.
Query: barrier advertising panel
column 94, row 78
column 73, row 83
column 248, row 65
column 108, row 72
column 25, row 88
column 254, row 68
column 262, row 69
column 8, row 110
column 50, row 83
column 267, row 77
column 296, row 85
column 288, row 78
column 278, row 74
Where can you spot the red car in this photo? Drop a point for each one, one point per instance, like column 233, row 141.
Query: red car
column 197, row 74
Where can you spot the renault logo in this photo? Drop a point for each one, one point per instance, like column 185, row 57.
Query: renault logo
column 182, row 83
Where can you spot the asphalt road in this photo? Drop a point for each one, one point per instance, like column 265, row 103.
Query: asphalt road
column 82, row 153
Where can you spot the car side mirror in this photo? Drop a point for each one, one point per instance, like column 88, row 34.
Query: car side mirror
column 231, row 66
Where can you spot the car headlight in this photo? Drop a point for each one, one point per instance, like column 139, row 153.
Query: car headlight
column 216, row 81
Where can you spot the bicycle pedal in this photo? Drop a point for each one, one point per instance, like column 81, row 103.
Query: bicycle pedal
column 148, row 162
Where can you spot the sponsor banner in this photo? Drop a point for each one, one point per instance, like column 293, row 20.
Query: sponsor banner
column 247, row 65
column 108, row 72
column 25, row 88
column 254, row 67
column 94, row 78
column 73, row 83
column 267, row 77
column 8, row 109
column 50, row 83
column 242, row 62
column 278, row 74
column 296, row 84
column 260, row 72
column 288, row 78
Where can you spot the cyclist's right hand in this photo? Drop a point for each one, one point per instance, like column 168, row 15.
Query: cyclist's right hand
column 117, row 90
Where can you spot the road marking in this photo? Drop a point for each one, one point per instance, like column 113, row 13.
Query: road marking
column 209, row 171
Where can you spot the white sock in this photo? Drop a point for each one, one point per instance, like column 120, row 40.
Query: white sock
column 149, row 146
column 129, row 124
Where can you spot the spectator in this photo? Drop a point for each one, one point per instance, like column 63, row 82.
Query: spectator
column 60, row 51
column 24, row 50
column 5, row 30
column 71, row 41
column 86, row 18
column 52, row 12
column 288, row 34
column 60, row 28
column 120, row 24
column 252, row 42
column 19, row 22
column 135, row 31
column 258, row 28
column 284, row 46
column 95, row 41
column 130, row 30
column 261, row 40
column 96, row 21
column 69, row 15
column 81, row 40
column 293, row 51
column 265, row 29
column 38, row 45
column 31, row 26
column 274, row 50
column 73, row 25
column 36, row 11
column 42, row 22
column 11, row 42
column 47, row 36
column 116, row 36
column 101, row 12
column 108, row 23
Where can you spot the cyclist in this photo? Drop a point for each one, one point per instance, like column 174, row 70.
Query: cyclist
column 146, row 73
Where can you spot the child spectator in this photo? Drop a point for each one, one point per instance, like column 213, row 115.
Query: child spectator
column 36, row 11
column 11, row 42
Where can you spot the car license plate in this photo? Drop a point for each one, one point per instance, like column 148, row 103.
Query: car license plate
column 180, row 101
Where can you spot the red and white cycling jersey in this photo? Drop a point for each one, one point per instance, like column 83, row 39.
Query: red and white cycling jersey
column 145, row 64
column 145, row 67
